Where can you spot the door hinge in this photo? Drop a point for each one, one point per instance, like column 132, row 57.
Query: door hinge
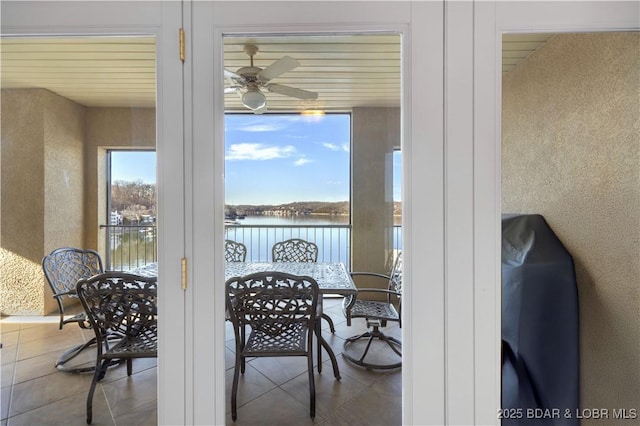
column 184, row 273
column 182, row 48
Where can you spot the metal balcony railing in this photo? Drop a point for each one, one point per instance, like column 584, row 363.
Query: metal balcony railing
column 130, row 246
column 133, row 246
column 333, row 241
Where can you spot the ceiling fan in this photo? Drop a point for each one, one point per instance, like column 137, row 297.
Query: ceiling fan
column 248, row 82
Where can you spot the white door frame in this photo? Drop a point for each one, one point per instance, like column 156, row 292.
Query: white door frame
column 421, row 24
column 162, row 20
column 492, row 19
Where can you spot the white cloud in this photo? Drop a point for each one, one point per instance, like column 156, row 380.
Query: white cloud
column 331, row 146
column 302, row 161
column 335, row 147
column 258, row 152
column 261, row 127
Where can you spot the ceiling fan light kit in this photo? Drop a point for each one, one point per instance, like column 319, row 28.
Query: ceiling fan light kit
column 248, row 81
column 254, row 99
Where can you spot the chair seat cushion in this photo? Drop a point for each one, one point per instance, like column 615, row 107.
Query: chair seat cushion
column 371, row 309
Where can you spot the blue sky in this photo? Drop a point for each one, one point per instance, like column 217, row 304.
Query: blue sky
column 273, row 159
column 276, row 159
column 132, row 166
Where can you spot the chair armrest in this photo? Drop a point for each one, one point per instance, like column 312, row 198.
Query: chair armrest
column 378, row 290
column 71, row 293
column 370, row 274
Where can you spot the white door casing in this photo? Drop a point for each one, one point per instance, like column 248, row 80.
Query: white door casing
column 438, row 342
column 491, row 20
column 162, row 20
column 421, row 26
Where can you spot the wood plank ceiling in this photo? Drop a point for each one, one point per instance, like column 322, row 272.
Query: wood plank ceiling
column 345, row 70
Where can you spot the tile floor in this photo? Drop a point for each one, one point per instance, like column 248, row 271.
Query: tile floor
column 273, row 391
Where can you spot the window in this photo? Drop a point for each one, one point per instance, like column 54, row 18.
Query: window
column 290, row 171
column 131, row 209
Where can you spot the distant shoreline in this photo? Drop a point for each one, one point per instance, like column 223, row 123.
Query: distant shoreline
column 298, row 208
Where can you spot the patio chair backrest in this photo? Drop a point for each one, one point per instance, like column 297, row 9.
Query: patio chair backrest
column 272, row 302
column 63, row 268
column 234, row 251
column 121, row 304
column 295, row 250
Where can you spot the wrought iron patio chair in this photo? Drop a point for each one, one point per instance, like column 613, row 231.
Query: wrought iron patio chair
column 376, row 313
column 63, row 268
column 298, row 250
column 121, row 309
column 280, row 310
column 234, row 251
column 294, row 250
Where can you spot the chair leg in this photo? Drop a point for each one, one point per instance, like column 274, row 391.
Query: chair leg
column 98, row 374
column 243, row 337
column 312, row 386
column 318, row 330
column 234, row 387
column 129, row 366
column 334, row 362
column 72, row 353
column 330, row 321
column 392, row 342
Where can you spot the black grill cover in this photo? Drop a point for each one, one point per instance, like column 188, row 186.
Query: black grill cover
column 540, row 325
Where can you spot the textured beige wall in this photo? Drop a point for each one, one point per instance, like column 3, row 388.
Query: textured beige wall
column 110, row 128
column 375, row 133
column 41, row 192
column 53, row 191
column 571, row 152
column 22, row 193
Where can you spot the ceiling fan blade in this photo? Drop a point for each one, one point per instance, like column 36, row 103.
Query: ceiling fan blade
column 232, row 75
column 292, row 91
column 282, row 65
column 232, row 89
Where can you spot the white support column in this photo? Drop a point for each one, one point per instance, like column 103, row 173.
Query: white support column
column 375, row 132
column 459, row 213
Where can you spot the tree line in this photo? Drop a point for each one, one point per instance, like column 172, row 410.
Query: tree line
column 133, row 196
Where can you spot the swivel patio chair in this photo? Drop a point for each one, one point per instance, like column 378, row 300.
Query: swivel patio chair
column 121, row 309
column 376, row 313
column 280, row 310
column 298, row 250
column 63, row 268
column 234, row 251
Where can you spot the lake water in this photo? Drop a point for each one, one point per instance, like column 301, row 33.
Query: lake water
column 301, row 220
column 330, row 233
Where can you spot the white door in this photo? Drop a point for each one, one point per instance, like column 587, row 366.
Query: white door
column 492, row 19
column 451, row 373
column 160, row 20
column 420, row 24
